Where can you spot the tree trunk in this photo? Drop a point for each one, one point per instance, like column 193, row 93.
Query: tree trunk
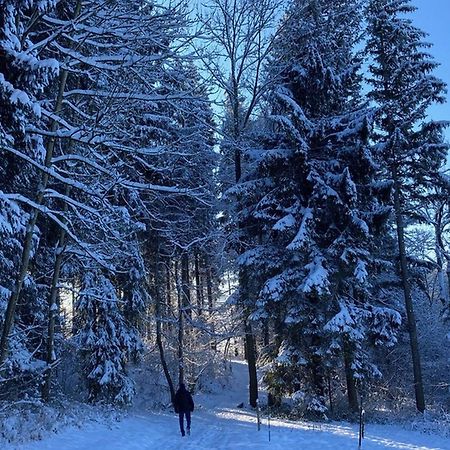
column 442, row 278
column 266, row 330
column 330, row 391
column 352, row 393
column 251, row 360
column 12, row 302
column 448, row 281
column 412, row 326
column 274, row 399
column 168, row 303
column 180, row 327
column 439, row 244
column 209, row 290
column 159, row 313
column 198, row 285
column 250, row 348
column 185, row 284
column 318, row 376
column 53, row 310
column 74, row 310
column 317, row 367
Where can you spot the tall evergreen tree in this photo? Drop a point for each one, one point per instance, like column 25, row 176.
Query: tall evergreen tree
column 314, row 205
column 404, row 87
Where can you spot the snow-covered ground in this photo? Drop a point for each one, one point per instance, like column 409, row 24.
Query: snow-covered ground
column 219, row 424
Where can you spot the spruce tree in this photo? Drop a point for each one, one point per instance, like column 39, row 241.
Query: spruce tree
column 404, row 87
column 312, row 201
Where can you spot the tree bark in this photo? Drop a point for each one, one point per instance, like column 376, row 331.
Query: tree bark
column 266, row 331
column 74, row 310
column 330, row 391
column 53, row 310
column 317, row 366
column 412, row 326
column 448, row 280
column 198, row 285
column 209, row 290
column 185, row 284
column 180, row 327
column 251, row 360
column 250, row 347
column 159, row 313
column 440, row 252
column 168, row 302
column 352, row 393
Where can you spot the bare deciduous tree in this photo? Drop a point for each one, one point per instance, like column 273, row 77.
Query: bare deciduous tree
column 235, row 44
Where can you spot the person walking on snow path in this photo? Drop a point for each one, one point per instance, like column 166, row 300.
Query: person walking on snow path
column 184, row 406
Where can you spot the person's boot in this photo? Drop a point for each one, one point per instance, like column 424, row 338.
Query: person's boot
column 188, row 431
column 183, row 434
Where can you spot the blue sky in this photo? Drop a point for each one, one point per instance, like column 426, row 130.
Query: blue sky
column 433, row 16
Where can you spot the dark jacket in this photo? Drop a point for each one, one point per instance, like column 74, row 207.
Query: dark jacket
column 183, row 402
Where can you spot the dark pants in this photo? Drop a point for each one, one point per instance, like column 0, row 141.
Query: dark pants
column 188, row 420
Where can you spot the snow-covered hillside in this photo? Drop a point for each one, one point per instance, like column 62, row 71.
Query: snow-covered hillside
column 219, row 424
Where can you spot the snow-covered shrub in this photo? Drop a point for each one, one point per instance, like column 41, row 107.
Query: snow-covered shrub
column 31, row 420
column 434, row 422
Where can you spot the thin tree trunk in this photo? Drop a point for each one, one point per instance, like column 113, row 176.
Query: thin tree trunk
column 440, row 252
column 352, row 393
column 250, row 347
column 210, row 297
column 198, row 285
column 448, row 280
column 330, row 391
column 180, row 327
column 317, row 366
column 275, row 400
column 412, row 326
column 168, row 303
column 53, row 310
column 185, row 284
column 266, row 330
column 249, row 342
column 251, row 360
column 209, row 289
column 180, row 344
column 74, row 310
column 318, row 377
column 442, row 278
column 159, row 313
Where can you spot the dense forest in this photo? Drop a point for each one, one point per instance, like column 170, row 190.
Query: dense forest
column 183, row 184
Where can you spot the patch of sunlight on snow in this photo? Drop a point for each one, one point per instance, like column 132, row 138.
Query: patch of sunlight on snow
column 388, row 443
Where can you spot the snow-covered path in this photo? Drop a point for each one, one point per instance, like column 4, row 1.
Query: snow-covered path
column 218, row 424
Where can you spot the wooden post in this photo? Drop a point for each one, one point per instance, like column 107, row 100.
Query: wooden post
column 258, row 415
